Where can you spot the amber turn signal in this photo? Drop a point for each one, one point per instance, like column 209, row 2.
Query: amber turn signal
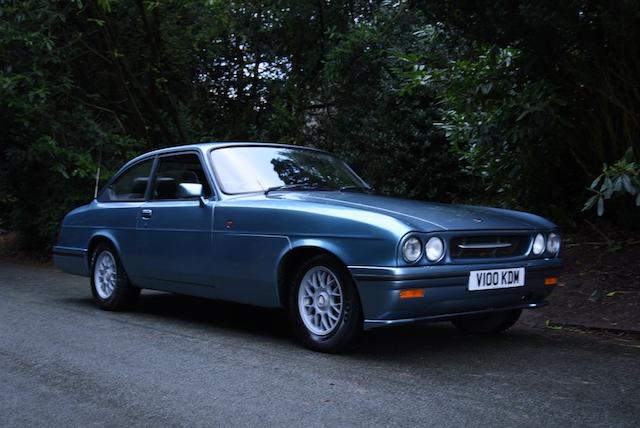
column 411, row 293
column 552, row 280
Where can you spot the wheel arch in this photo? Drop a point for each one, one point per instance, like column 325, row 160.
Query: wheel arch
column 95, row 240
column 293, row 258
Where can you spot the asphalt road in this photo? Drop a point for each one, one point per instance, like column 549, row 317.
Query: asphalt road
column 182, row 361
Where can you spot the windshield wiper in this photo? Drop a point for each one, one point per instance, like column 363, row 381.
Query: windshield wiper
column 303, row 186
column 293, row 186
column 356, row 189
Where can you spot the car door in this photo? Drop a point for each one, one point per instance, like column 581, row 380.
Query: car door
column 174, row 234
column 119, row 204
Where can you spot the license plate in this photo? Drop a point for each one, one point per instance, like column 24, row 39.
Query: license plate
column 496, row 278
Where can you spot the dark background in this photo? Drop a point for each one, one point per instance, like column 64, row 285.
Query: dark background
column 521, row 104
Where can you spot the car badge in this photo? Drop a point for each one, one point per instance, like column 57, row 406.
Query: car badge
column 478, row 220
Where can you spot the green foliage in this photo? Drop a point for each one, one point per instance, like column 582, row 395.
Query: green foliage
column 621, row 178
column 50, row 145
column 364, row 116
column 535, row 95
column 499, row 125
column 502, row 102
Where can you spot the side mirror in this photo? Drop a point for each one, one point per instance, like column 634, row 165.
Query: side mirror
column 190, row 191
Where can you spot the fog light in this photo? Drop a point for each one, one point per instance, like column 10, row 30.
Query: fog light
column 411, row 293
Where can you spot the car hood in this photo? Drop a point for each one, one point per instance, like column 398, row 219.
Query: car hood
column 428, row 216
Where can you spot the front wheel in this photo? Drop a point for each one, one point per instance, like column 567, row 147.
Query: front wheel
column 110, row 285
column 324, row 306
column 490, row 323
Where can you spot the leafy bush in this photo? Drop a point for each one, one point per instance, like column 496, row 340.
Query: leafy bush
column 500, row 125
column 493, row 101
column 621, row 178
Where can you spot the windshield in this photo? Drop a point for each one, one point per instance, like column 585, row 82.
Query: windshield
column 258, row 169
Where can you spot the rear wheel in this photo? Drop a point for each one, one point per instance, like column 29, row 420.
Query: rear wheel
column 490, row 323
column 324, row 306
column 110, row 285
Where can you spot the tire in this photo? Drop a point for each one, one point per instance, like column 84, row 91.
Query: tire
column 491, row 323
column 110, row 285
column 319, row 287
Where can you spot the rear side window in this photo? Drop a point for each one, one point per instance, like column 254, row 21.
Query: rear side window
column 131, row 185
column 177, row 169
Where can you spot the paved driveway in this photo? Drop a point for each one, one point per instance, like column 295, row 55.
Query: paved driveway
column 183, row 361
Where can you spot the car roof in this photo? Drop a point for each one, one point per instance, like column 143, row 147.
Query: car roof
column 206, row 146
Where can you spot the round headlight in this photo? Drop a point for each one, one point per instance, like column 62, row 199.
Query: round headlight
column 434, row 249
column 553, row 243
column 412, row 250
column 538, row 244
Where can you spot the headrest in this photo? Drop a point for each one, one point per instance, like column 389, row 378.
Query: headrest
column 166, row 188
column 139, row 185
column 189, row 177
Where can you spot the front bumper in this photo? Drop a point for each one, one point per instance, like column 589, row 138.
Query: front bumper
column 446, row 294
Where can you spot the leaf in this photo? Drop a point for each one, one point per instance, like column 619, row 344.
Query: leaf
column 617, row 184
column 522, row 115
column 98, row 22
column 590, row 202
column 105, row 5
column 607, row 187
column 58, row 167
column 595, row 182
column 628, row 155
column 595, row 296
column 548, row 324
column 628, row 186
column 600, row 206
column 611, row 293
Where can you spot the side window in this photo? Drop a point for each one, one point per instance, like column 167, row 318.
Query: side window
column 177, row 169
column 132, row 184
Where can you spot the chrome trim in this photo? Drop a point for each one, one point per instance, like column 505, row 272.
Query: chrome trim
column 371, row 324
column 69, row 251
column 485, row 246
column 388, row 273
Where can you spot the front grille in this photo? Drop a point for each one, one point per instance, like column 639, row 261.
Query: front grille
column 479, row 247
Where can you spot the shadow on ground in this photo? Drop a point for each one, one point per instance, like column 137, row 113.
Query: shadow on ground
column 253, row 322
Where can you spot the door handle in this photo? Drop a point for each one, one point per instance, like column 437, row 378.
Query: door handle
column 146, row 214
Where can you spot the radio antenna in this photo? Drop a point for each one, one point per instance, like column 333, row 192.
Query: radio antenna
column 95, row 190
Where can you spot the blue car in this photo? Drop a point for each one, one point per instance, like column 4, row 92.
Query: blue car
column 295, row 228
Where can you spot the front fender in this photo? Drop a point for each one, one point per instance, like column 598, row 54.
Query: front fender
column 365, row 251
